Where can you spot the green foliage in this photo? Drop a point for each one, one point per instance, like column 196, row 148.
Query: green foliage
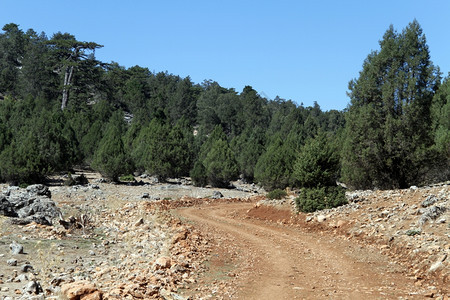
column 198, row 174
column 220, row 164
column 413, row 232
column 276, row 194
column 317, row 163
column 312, row 199
column 110, row 158
column 248, row 147
column 127, row 178
column 164, row 151
column 274, row 167
column 388, row 122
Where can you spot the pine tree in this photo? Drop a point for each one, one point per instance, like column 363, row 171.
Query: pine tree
column 110, row 158
column 388, row 122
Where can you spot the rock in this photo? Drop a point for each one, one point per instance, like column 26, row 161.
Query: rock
column 39, row 190
column 30, row 205
column 321, row 218
column 97, row 295
column 145, row 196
column 22, row 278
column 430, row 200
column 216, row 195
column 432, row 213
column 91, row 253
column 139, row 222
column 79, row 290
column 6, row 207
column 167, row 295
column 12, row 262
column 163, row 262
column 16, row 248
column 93, row 186
column 180, row 236
column 309, row 218
column 436, row 266
column 32, row 287
column 25, row 268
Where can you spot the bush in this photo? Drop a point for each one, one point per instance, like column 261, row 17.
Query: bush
column 312, row 199
column 127, row 178
column 198, row 174
column 276, row 194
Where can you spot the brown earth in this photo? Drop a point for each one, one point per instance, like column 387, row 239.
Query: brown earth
column 276, row 261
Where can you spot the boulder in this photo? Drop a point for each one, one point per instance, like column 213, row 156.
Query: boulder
column 16, row 248
column 32, row 204
column 82, row 289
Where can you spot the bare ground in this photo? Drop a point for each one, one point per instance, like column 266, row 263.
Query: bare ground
column 231, row 248
column 287, row 262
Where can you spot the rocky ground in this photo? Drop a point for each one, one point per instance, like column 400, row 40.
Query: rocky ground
column 134, row 242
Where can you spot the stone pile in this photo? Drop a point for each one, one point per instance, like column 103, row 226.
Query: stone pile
column 32, row 204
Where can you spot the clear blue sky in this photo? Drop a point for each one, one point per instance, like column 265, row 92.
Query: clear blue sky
column 300, row 50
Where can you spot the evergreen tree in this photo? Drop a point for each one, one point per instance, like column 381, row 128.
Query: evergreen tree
column 110, row 158
column 317, row 163
column 220, row 164
column 388, row 123
column 274, row 167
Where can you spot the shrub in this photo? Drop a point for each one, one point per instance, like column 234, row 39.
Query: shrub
column 312, row 199
column 127, row 178
column 198, row 174
column 276, row 194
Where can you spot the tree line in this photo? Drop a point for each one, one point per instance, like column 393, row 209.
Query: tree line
column 60, row 107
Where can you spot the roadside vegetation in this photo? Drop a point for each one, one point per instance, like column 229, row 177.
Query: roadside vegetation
column 60, row 107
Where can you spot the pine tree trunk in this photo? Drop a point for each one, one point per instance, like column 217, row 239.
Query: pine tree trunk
column 67, row 81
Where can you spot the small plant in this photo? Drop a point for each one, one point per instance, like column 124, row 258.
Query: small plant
column 127, row 178
column 276, row 194
column 312, row 199
column 413, row 232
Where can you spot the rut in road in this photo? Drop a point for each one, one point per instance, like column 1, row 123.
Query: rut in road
column 281, row 262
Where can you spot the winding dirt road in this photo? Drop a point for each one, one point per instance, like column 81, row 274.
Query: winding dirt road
column 266, row 260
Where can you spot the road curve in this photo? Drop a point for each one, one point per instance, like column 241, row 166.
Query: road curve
column 284, row 262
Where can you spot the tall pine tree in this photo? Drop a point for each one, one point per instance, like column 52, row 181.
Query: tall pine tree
column 388, row 122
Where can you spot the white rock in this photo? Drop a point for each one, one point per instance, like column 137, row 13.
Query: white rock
column 321, row 218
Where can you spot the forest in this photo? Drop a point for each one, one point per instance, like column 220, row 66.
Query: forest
column 61, row 108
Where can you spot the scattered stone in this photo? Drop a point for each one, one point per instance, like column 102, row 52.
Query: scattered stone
column 139, row 222
column 79, row 290
column 16, row 248
column 12, row 262
column 216, row 195
column 26, row 268
column 432, row 213
column 32, row 287
column 163, row 262
column 430, row 200
column 91, row 253
column 321, row 218
column 145, row 196
column 22, row 278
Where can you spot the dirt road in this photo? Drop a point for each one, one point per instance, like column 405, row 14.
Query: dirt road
column 266, row 260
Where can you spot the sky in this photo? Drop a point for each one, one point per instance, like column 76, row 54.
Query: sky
column 303, row 51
